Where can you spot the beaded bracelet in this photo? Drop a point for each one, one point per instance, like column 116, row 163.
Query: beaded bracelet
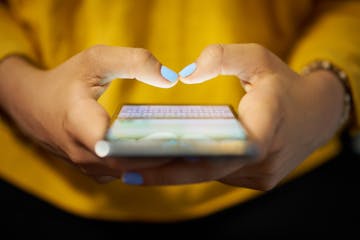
column 342, row 76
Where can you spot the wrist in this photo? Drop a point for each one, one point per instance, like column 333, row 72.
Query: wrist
column 16, row 79
column 325, row 99
column 337, row 79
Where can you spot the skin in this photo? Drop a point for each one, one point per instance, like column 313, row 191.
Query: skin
column 288, row 115
column 57, row 108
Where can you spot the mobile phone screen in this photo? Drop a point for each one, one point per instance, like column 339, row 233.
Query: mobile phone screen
column 173, row 130
column 141, row 122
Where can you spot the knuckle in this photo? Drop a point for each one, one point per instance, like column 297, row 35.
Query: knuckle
column 92, row 54
column 261, row 53
column 94, row 51
column 258, row 48
column 142, row 56
column 214, row 50
column 139, row 59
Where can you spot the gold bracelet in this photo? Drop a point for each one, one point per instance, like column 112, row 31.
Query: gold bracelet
column 342, row 76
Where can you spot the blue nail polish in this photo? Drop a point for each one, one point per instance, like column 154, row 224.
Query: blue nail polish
column 168, row 74
column 189, row 69
column 132, row 178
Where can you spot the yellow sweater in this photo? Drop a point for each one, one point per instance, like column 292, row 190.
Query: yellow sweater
column 175, row 31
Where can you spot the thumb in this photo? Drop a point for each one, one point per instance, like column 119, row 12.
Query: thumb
column 87, row 122
column 246, row 61
column 106, row 63
column 261, row 114
column 259, row 108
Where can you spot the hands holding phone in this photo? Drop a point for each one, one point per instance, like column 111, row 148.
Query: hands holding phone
column 288, row 115
column 58, row 109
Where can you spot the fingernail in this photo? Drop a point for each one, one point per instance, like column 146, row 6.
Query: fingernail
column 189, row 69
column 168, row 74
column 132, row 178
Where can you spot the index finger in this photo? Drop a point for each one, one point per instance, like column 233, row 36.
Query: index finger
column 108, row 63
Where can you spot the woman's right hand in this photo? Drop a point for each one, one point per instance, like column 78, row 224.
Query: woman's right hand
column 58, row 109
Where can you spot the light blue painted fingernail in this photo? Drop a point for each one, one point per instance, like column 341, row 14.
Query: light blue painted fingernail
column 132, row 178
column 168, row 74
column 189, row 69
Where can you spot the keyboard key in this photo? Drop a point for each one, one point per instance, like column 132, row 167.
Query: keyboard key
column 178, row 111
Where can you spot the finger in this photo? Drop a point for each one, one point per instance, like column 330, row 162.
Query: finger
column 104, row 179
column 261, row 114
column 242, row 60
column 116, row 167
column 260, row 176
column 130, row 164
column 89, row 163
column 246, row 182
column 260, row 110
column 87, row 122
column 261, row 183
column 272, row 165
column 183, row 172
column 107, row 63
column 110, row 165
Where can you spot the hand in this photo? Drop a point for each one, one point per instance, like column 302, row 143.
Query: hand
column 58, row 107
column 288, row 115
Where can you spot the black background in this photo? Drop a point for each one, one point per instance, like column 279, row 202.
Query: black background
column 322, row 203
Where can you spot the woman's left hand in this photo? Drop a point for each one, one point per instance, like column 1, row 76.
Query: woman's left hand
column 288, row 115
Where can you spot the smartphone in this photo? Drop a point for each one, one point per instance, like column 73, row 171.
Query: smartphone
column 156, row 131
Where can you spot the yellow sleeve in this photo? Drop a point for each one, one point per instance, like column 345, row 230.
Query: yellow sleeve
column 13, row 39
column 334, row 35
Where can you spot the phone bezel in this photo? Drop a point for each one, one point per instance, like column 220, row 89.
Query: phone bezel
column 251, row 146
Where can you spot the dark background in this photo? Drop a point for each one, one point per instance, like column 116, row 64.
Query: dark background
column 322, row 203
